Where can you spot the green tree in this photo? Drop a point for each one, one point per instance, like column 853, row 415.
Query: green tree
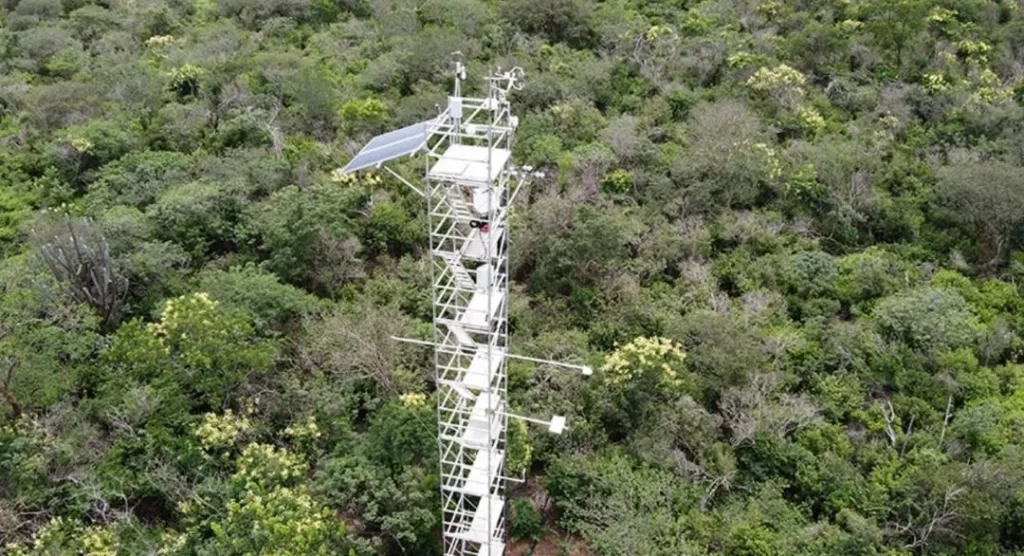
column 727, row 161
column 986, row 199
column 309, row 237
column 199, row 216
column 638, row 519
column 895, row 25
column 43, row 338
column 197, row 344
column 928, row 319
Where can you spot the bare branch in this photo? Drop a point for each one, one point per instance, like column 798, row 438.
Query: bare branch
column 945, row 420
column 890, row 417
column 760, row 406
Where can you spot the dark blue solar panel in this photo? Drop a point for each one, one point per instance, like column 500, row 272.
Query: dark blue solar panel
column 389, row 146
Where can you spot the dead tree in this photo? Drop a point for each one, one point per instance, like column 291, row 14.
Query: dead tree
column 763, row 406
column 937, row 518
column 889, row 414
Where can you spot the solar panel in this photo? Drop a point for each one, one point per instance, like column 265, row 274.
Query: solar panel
column 389, row 146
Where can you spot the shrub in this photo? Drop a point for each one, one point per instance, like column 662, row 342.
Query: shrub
column 618, row 182
column 199, row 216
column 251, row 290
column 525, row 521
column 722, row 167
column 928, row 319
column 139, row 178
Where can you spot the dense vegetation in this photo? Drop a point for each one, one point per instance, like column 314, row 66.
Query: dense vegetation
column 788, row 234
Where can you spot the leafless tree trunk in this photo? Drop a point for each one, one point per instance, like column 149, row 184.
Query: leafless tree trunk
column 945, row 420
column 656, row 56
column 266, row 119
column 356, row 346
column 906, row 436
column 889, row 414
column 699, row 474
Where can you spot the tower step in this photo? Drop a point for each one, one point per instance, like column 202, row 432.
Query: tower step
column 459, row 205
column 454, row 263
column 482, row 473
column 481, row 370
column 485, row 522
column 485, row 468
column 497, row 548
column 482, row 309
column 482, row 246
column 483, row 425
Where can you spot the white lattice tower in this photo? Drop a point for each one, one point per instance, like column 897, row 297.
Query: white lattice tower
column 469, row 184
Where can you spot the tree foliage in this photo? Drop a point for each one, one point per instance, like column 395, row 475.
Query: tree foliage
column 786, row 235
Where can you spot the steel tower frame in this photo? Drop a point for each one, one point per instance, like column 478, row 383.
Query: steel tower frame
column 469, row 184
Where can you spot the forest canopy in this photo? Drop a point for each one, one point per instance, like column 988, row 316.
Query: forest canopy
column 787, row 235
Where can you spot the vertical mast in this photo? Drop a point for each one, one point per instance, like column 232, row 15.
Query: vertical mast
column 469, row 183
column 468, row 187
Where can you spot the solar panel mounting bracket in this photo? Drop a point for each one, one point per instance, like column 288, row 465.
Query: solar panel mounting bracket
column 403, row 180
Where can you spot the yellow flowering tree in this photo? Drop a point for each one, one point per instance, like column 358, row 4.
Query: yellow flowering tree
column 655, row 360
column 640, row 374
column 811, row 121
column 305, row 435
column 782, row 83
column 185, row 80
column 66, row 537
column 269, row 510
column 218, row 434
column 413, row 399
column 360, row 114
column 192, row 359
column 213, row 348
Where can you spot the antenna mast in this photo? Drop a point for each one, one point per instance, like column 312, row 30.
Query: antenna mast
column 469, row 182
